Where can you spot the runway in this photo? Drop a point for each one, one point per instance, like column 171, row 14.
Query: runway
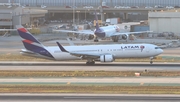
column 87, row 98
column 72, row 66
column 173, row 81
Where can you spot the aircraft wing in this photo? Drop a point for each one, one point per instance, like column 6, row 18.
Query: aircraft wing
column 79, row 54
column 12, row 29
column 128, row 33
column 85, row 55
column 8, row 29
column 80, row 31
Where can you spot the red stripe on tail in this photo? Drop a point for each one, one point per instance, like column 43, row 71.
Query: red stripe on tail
column 28, row 41
column 22, row 30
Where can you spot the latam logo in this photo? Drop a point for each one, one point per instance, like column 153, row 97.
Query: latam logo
column 142, row 47
column 133, row 47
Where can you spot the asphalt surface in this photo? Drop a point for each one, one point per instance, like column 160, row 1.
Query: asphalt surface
column 112, row 80
column 73, row 66
column 13, row 44
column 87, row 98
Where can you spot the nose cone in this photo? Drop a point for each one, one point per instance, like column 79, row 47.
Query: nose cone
column 160, row 51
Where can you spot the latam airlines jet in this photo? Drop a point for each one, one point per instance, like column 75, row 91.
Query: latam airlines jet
column 91, row 53
column 112, row 31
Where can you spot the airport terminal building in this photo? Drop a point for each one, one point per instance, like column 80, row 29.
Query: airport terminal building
column 96, row 2
column 56, row 10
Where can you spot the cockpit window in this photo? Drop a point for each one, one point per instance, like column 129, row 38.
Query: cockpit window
column 157, row 48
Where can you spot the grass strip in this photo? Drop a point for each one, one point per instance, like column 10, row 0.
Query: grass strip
column 58, row 74
column 89, row 89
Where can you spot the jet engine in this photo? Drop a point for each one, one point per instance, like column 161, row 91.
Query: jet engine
column 106, row 58
column 125, row 37
column 91, row 37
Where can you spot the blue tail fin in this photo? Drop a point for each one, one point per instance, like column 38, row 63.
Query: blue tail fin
column 25, row 34
column 31, row 43
column 96, row 20
column 98, row 31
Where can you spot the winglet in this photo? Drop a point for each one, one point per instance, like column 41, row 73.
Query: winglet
column 61, row 47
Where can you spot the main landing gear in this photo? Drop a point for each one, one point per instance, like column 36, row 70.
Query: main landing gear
column 151, row 60
column 90, row 62
column 96, row 39
column 115, row 39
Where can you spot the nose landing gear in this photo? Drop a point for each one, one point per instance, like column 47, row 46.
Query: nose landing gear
column 151, row 60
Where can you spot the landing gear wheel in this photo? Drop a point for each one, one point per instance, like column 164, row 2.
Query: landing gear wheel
column 96, row 40
column 93, row 62
column 116, row 39
column 151, row 60
column 90, row 63
column 87, row 63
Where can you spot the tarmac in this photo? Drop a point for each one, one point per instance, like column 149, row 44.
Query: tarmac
column 104, row 80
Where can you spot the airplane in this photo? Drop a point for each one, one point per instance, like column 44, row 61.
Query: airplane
column 112, row 31
column 91, row 53
column 12, row 29
column 8, row 29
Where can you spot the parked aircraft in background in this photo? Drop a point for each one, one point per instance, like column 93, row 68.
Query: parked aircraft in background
column 91, row 53
column 8, row 29
column 112, row 31
column 43, row 6
column 12, row 29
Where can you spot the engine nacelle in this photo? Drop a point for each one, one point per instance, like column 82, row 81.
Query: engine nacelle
column 106, row 58
column 125, row 37
column 91, row 37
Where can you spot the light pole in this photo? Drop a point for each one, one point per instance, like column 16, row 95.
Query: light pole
column 73, row 13
column 78, row 16
column 85, row 14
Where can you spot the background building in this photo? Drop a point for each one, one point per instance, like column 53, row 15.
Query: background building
column 96, row 2
column 168, row 21
column 56, row 10
column 11, row 15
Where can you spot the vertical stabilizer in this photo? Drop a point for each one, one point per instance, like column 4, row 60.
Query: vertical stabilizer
column 31, row 43
column 27, row 38
column 98, row 31
column 96, row 20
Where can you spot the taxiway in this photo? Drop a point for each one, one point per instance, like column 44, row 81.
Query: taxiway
column 87, row 98
column 74, row 66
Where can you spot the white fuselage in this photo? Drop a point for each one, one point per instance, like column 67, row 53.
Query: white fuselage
column 118, row 51
column 110, row 30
